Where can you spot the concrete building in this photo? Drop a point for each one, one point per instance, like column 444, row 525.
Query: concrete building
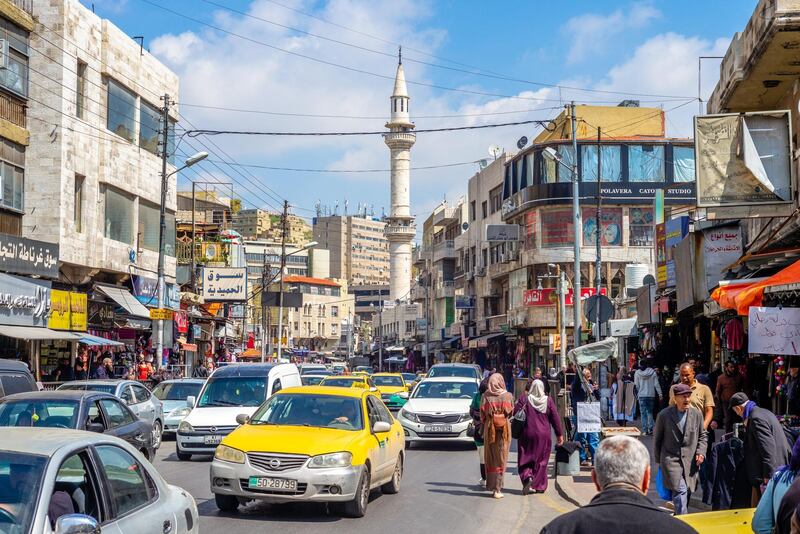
column 359, row 251
column 93, row 180
column 209, row 208
column 368, row 299
column 252, row 223
column 400, row 227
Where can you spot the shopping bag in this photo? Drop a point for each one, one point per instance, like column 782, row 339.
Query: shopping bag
column 663, row 492
column 589, row 417
column 518, row 424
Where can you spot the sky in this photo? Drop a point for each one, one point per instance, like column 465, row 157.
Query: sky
column 328, row 66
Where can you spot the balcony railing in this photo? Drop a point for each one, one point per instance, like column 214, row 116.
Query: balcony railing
column 24, row 5
column 206, row 252
column 444, row 250
column 12, row 110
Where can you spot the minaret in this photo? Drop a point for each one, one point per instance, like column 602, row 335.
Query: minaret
column 400, row 228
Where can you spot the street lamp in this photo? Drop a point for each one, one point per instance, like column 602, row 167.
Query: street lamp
column 161, row 231
column 380, row 332
column 307, row 246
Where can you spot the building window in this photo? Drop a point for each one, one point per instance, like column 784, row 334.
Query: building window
column 610, row 163
column 683, row 162
column 77, row 208
column 645, row 163
column 472, row 214
column 15, row 77
column 484, row 209
column 12, row 171
column 567, row 162
column 121, row 111
column 641, row 227
column 496, row 199
column 149, row 226
column 118, row 216
column 80, row 90
column 149, row 125
column 334, row 311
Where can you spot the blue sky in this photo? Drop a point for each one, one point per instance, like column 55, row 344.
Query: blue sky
column 619, row 47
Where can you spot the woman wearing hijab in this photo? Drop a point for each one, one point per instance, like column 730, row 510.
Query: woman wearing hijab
column 496, row 408
column 765, row 519
column 533, row 447
column 475, row 413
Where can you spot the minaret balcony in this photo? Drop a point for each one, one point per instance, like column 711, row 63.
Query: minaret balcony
column 400, row 139
column 400, row 232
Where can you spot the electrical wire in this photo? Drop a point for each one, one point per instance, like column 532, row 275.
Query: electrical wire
column 352, row 171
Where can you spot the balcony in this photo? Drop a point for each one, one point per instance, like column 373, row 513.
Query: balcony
column 206, row 253
column 420, row 256
column 417, row 294
column 24, row 5
column 445, row 216
column 444, row 250
column 400, row 232
column 446, row 288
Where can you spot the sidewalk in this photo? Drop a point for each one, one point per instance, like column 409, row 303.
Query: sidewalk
column 580, row 489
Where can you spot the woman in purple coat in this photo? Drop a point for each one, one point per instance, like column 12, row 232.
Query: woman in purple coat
column 535, row 442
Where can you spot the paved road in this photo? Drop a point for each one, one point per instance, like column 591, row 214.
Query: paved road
column 439, row 492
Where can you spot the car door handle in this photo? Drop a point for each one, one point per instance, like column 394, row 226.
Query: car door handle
column 167, row 526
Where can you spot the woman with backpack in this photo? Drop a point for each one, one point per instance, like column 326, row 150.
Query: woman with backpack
column 497, row 405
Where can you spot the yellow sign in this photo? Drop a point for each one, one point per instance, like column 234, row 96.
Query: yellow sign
column 67, row 311
column 160, row 314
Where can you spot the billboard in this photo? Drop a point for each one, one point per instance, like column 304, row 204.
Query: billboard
column 465, row 302
column 668, row 234
column 743, row 159
column 502, row 232
column 610, row 227
column 224, row 284
column 28, row 256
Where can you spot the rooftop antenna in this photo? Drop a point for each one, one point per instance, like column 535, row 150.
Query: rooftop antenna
column 318, row 208
column 345, row 207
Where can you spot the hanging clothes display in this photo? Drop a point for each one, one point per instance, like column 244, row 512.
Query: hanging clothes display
column 734, row 333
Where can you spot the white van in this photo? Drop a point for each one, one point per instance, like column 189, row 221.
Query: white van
column 231, row 390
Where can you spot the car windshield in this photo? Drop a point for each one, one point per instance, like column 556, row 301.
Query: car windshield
column 323, row 411
column 409, row 377
column 234, row 391
column 53, row 413
column 311, row 380
column 20, row 479
column 394, row 381
column 445, row 390
column 342, row 382
column 102, row 388
column 177, row 391
column 455, row 370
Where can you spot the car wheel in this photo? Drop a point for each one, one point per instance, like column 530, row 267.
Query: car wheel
column 358, row 506
column 393, row 486
column 158, row 434
column 182, row 456
column 226, row 503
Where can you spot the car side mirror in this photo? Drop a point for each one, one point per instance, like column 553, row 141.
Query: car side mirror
column 381, row 426
column 95, row 427
column 242, row 418
column 190, row 400
column 77, row 524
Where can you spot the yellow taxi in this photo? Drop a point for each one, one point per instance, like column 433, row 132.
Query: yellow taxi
column 392, row 388
column 348, row 381
column 312, row 443
column 721, row 522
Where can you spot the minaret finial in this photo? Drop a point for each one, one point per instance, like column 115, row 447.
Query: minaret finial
column 400, row 55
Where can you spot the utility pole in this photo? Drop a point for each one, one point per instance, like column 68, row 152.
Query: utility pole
column 427, row 326
column 194, row 239
column 562, row 316
column 577, row 227
column 598, row 267
column 265, row 272
column 284, row 224
column 162, row 228
column 380, row 337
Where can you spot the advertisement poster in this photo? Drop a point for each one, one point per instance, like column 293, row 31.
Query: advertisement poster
column 675, row 230
column 661, row 255
column 549, row 296
column 557, row 227
column 610, row 227
column 67, row 311
column 721, row 247
column 530, row 229
column 224, row 283
column 774, row 331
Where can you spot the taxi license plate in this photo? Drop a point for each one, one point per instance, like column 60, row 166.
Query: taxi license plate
column 439, row 428
column 212, row 440
column 276, row 484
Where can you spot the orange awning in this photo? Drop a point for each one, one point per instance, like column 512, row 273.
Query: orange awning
column 727, row 291
column 753, row 294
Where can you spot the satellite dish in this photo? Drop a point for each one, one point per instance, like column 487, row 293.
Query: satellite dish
column 649, row 280
column 483, row 164
column 522, row 142
column 464, row 226
column 495, row 151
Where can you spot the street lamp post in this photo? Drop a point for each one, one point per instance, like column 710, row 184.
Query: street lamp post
column 380, row 334
column 284, row 255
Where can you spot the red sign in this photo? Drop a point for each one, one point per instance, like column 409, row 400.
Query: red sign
column 181, row 319
column 549, row 297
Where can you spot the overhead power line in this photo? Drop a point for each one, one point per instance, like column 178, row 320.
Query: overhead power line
column 352, row 171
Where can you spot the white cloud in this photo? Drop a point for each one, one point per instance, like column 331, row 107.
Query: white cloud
column 592, row 33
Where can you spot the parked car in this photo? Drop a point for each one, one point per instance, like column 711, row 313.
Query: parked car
column 79, row 410
column 364, row 369
column 312, row 380
column 464, row 370
column 15, row 378
column 238, row 388
column 138, row 398
column 393, row 389
column 438, row 409
column 339, row 368
column 313, row 368
column 177, row 397
column 311, row 444
column 93, row 479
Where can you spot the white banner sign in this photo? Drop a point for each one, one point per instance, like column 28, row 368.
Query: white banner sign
column 224, row 283
column 589, row 417
column 774, row 331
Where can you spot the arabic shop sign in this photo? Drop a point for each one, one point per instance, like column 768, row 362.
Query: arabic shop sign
column 24, row 301
column 67, row 311
column 224, row 284
column 549, row 296
column 146, row 291
column 28, row 256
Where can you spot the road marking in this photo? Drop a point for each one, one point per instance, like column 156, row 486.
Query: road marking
column 553, row 505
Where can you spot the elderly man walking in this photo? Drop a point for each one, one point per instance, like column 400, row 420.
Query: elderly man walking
column 680, row 446
column 622, row 476
column 765, row 445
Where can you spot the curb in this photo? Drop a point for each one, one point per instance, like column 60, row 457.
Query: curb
column 564, row 494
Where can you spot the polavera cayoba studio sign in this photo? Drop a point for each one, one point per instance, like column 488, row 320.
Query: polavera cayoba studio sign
column 24, row 301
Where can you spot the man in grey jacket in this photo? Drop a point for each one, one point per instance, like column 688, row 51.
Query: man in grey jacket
column 680, row 447
column 647, row 387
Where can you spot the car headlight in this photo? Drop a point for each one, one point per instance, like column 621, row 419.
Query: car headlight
column 335, row 459
column 180, row 412
column 465, row 417
column 229, row 454
column 409, row 415
column 185, row 427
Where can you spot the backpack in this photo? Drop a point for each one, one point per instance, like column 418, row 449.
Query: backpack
column 499, row 419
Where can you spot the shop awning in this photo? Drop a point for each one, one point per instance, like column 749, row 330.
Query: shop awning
column 598, row 351
column 728, row 290
column 483, row 341
column 395, row 348
column 753, row 295
column 32, row 332
column 125, row 299
column 448, row 343
column 89, row 339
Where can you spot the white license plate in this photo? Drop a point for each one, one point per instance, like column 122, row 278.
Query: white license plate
column 277, row 484
column 439, row 428
column 212, row 440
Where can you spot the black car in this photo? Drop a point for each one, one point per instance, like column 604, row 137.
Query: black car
column 81, row 410
column 15, row 378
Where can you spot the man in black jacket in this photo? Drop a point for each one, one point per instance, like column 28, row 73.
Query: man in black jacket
column 765, row 445
column 622, row 475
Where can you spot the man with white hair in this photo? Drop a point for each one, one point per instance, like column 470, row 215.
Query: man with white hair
column 622, row 475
